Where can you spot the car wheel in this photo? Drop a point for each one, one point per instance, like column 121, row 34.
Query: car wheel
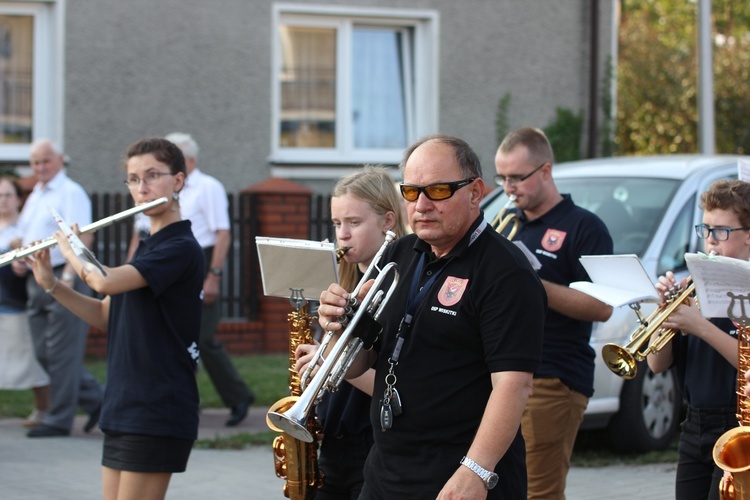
column 649, row 412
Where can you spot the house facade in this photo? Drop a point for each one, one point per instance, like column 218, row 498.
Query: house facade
column 305, row 90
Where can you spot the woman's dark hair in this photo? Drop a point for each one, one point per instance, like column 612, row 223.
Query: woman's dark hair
column 164, row 151
column 14, row 182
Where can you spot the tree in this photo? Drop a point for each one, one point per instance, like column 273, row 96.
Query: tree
column 657, row 76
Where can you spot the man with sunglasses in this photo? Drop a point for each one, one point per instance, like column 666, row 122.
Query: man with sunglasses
column 706, row 358
column 461, row 339
column 558, row 232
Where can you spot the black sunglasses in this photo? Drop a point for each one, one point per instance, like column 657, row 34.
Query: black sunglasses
column 435, row 192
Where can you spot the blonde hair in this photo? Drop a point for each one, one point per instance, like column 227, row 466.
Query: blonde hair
column 375, row 187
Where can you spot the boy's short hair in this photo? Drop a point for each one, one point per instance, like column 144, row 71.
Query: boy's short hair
column 729, row 195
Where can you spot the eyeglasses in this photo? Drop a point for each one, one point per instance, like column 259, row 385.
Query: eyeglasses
column 148, row 179
column 515, row 179
column 435, row 192
column 720, row 233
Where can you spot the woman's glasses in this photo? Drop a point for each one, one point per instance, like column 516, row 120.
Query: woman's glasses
column 435, row 192
column 148, row 179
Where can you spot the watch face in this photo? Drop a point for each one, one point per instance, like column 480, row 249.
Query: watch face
column 492, row 481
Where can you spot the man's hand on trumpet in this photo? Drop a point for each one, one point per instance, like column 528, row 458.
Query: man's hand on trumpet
column 333, row 305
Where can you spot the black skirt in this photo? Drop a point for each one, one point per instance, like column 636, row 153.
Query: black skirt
column 140, row 453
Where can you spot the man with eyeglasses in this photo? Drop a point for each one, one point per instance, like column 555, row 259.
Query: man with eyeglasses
column 461, row 339
column 59, row 335
column 706, row 358
column 558, row 232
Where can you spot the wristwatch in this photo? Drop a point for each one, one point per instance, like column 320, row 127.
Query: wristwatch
column 68, row 276
column 216, row 271
column 488, row 477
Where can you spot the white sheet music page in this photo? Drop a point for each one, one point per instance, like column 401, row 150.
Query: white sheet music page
column 287, row 263
column 715, row 277
column 743, row 170
column 616, row 280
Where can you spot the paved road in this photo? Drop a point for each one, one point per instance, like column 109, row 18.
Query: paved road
column 68, row 469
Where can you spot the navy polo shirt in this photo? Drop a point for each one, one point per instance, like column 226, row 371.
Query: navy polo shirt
column 483, row 313
column 558, row 239
column 152, row 341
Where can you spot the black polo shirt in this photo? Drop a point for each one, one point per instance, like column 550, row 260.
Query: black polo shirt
column 484, row 313
column 152, row 340
column 558, row 239
column 707, row 379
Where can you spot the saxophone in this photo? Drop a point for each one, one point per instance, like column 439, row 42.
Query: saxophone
column 732, row 450
column 295, row 460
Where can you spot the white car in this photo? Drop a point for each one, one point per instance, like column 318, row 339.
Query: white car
column 650, row 205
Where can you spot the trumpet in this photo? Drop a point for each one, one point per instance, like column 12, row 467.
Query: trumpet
column 623, row 361
column 503, row 219
column 22, row 252
column 293, row 419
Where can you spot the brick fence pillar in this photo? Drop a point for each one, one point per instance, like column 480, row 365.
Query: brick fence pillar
column 281, row 209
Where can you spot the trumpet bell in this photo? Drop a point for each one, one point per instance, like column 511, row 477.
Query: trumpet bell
column 281, row 406
column 620, row 361
column 295, row 426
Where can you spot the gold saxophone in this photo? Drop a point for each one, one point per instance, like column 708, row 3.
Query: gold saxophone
column 732, row 450
column 295, row 460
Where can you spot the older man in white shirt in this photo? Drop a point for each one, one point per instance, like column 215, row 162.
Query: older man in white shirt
column 59, row 336
column 203, row 201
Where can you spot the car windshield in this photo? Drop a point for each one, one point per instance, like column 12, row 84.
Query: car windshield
column 631, row 208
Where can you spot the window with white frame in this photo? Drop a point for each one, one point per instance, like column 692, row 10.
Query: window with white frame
column 29, row 83
column 352, row 86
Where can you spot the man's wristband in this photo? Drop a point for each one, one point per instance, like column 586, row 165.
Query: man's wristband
column 216, row 271
column 52, row 288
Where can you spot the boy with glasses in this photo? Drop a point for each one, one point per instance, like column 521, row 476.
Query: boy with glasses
column 558, row 232
column 706, row 358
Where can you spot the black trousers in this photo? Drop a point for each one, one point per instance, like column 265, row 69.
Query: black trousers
column 697, row 475
column 342, row 460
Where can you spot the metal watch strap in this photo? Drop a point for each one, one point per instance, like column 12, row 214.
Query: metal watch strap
column 480, row 471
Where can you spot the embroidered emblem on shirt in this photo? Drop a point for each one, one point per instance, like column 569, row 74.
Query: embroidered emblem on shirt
column 553, row 239
column 452, row 290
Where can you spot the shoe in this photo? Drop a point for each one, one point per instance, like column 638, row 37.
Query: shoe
column 43, row 431
column 239, row 411
column 34, row 419
column 93, row 420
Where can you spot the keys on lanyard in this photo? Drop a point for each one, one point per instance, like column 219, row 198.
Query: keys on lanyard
column 390, row 405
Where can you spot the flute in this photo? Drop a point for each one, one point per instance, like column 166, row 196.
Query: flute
column 22, row 252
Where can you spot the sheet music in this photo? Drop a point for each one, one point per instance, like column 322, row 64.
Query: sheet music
column 715, row 277
column 535, row 264
column 616, row 280
column 287, row 263
column 743, row 170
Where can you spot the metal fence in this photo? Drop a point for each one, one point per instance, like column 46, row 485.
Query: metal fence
column 111, row 245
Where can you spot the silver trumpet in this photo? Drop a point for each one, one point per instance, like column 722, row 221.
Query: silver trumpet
column 20, row 253
column 330, row 375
